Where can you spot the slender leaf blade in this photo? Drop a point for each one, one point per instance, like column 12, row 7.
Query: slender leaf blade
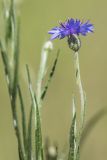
column 50, row 76
column 22, row 106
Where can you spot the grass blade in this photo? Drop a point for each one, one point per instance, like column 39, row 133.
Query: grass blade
column 50, row 76
column 38, row 133
column 12, row 73
column 23, row 117
column 6, row 65
column 29, row 137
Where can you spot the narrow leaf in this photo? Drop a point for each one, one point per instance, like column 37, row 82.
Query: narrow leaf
column 38, row 134
column 16, row 62
column 50, row 76
column 29, row 137
column 23, row 117
column 6, row 64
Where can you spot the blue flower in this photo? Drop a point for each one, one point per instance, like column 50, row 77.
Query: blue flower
column 71, row 27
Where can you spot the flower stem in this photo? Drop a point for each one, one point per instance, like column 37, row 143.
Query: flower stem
column 82, row 104
column 79, row 84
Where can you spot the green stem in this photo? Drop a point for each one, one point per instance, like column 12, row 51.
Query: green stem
column 82, row 102
column 79, row 84
column 23, row 117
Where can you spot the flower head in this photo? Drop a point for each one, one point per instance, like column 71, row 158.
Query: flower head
column 71, row 27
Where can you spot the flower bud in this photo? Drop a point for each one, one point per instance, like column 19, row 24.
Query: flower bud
column 74, row 42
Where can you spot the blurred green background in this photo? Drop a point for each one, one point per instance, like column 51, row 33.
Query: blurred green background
column 37, row 17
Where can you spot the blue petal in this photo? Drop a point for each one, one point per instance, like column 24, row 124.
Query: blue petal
column 71, row 26
column 54, row 36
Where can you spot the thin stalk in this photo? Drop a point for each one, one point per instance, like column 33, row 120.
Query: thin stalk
column 72, row 138
column 6, row 64
column 79, row 84
column 29, row 136
column 13, row 103
column 75, row 124
column 11, row 69
column 23, row 116
column 82, row 102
